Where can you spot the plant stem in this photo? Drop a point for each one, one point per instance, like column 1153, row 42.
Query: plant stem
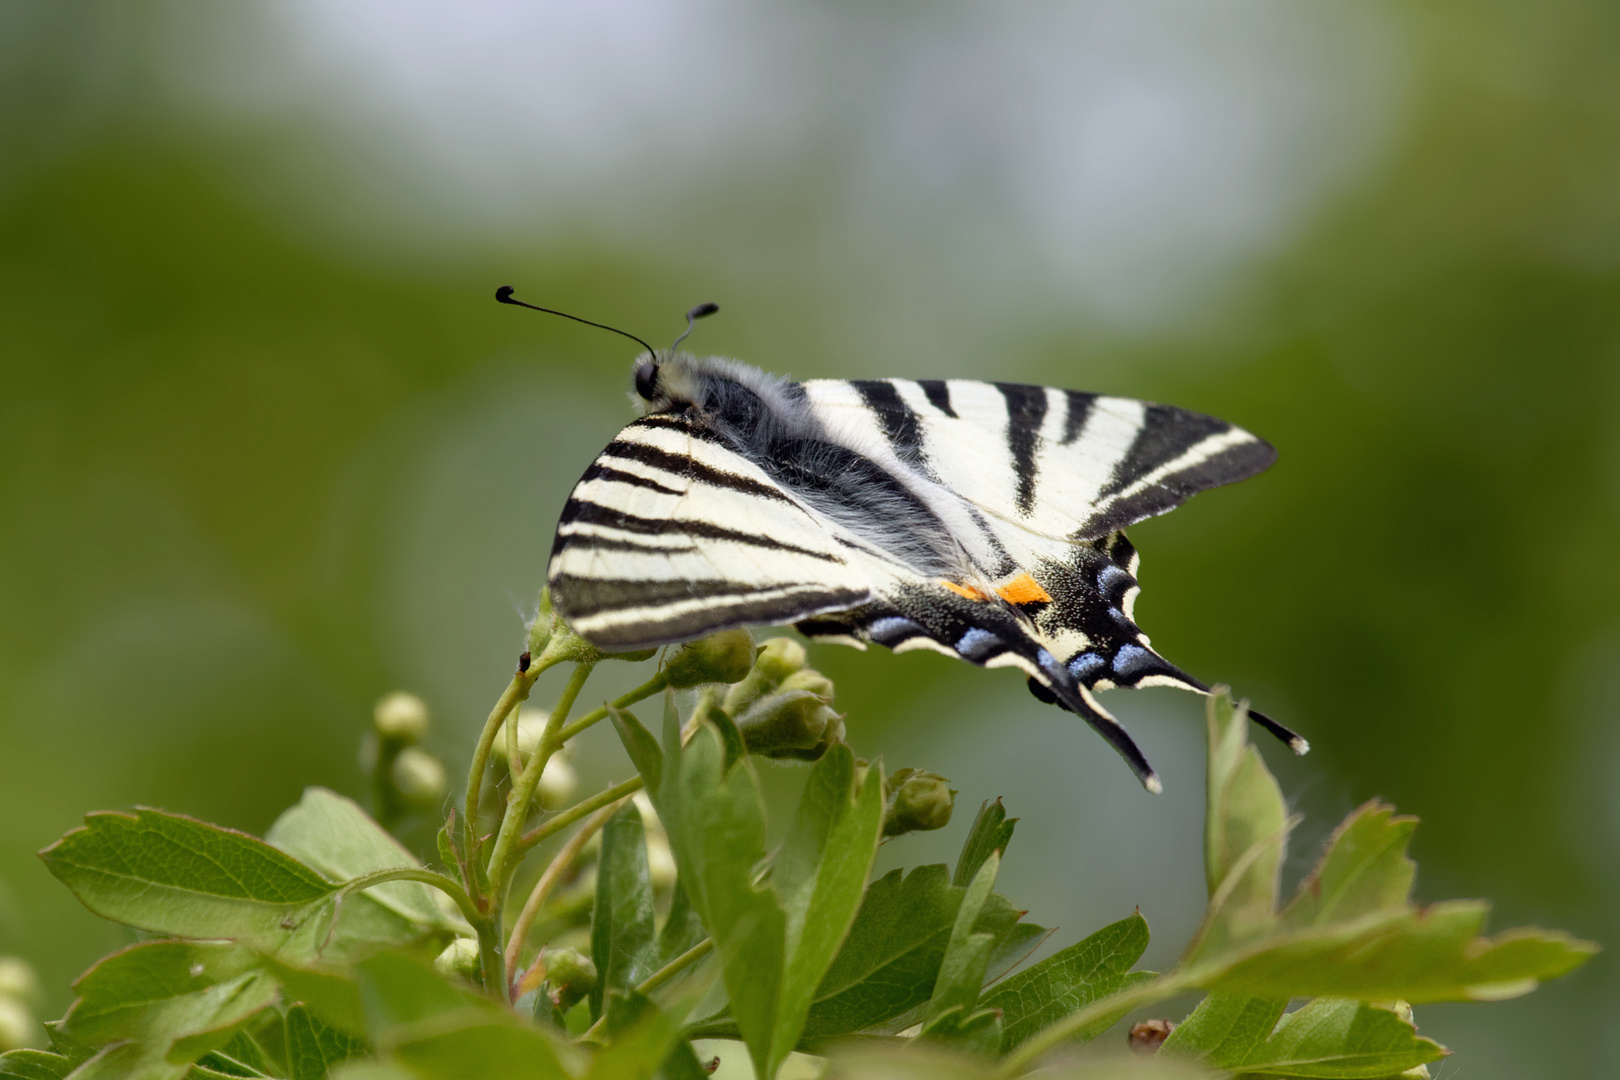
column 444, row 884
column 577, row 811
column 676, row 966
column 516, row 691
column 548, row 879
column 522, row 793
column 659, row 978
column 640, row 693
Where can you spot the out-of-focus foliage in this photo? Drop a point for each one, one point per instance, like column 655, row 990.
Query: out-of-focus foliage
column 266, row 452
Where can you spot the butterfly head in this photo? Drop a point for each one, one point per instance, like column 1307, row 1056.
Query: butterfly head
column 670, row 381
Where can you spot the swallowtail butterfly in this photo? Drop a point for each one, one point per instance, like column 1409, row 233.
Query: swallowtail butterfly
column 982, row 520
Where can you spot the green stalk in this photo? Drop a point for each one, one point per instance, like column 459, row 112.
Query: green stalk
column 659, row 978
column 523, row 788
column 548, row 880
column 640, row 693
column 516, row 691
column 577, row 811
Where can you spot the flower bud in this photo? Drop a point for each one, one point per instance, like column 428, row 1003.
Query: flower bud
column 400, row 718
column 918, row 801
column 571, row 974
column 778, row 658
column 18, row 1028
column 558, row 782
column 725, row 657
column 811, row 680
column 791, row 723
column 17, row 980
column 419, row 778
column 459, row 960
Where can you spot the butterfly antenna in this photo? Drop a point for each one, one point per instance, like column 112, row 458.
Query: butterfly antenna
column 504, row 295
column 702, row 311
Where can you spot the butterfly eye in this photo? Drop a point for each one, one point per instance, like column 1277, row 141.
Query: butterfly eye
column 647, row 380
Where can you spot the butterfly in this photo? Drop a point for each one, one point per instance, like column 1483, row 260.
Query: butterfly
column 982, row 520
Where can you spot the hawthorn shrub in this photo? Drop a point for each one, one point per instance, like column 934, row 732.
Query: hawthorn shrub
column 328, row 949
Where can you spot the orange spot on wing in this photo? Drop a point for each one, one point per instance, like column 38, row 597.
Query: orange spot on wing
column 1024, row 589
column 967, row 592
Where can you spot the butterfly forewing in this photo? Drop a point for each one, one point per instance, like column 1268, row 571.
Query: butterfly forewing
column 671, row 534
column 1061, row 464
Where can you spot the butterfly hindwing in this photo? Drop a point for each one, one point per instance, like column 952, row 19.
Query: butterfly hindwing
column 671, row 534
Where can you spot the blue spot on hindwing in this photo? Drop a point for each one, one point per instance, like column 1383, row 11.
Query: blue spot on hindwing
column 1130, row 659
column 892, row 629
column 1083, row 664
column 977, row 643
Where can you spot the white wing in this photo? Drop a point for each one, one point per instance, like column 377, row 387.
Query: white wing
column 671, row 535
column 1060, row 464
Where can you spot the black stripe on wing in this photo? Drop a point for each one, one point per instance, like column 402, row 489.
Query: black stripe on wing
column 1026, row 412
column 894, row 416
column 579, row 511
column 938, row 394
column 688, row 468
column 623, row 614
column 1079, row 408
column 599, row 471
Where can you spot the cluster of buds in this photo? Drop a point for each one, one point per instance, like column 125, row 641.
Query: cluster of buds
column 405, row 779
column 783, row 708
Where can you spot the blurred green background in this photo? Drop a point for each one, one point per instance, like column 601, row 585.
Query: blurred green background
column 268, row 449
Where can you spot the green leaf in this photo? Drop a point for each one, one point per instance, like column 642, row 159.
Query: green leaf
column 642, row 1037
column 623, row 945
column 130, row 1061
column 820, row 875
column 961, row 970
column 174, row 1000
column 171, row 874
column 331, row 995
column 991, row 831
column 682, row 927
column 33, row 1065
column 1245, row 833
column 485, row 1045
column 333, row 836
column 313, row 1046
column 62, row 1042
column 1364, row 871
column 640, row 744
column 1432, row 954
column 242, row 1055
column 891, row 957
column 1226, row 1027
column 398, row 992
column 1328, row 1037
column 1068, row 980
column 716, row 825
